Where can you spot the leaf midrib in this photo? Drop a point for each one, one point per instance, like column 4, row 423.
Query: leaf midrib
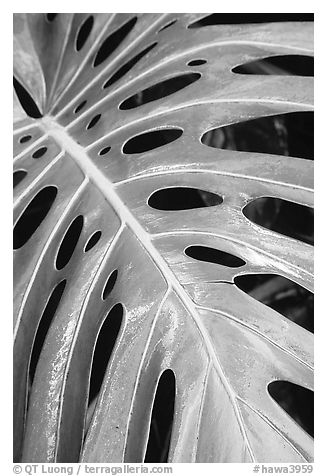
column 78, row 153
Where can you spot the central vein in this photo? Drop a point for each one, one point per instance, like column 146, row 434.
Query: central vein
column 91, row 171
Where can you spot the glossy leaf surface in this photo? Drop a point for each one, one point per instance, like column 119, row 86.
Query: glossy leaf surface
column 179, row 313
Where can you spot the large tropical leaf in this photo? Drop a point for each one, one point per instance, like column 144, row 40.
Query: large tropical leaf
column 101, row 82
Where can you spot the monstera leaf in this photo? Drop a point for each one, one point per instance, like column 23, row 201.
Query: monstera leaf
column 126, row 219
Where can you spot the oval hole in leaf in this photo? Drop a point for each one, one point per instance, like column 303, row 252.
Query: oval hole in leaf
column 196, row 62
column 51, row 16
column 239, row 18
column 39, row 152
column 93, row 121
column 18, row 176
column 284, row 217
column 160, row 90
column 33, row 215
column 127, row 66
column 80, row 106
column 297, row 401
column 104, row 347
column 92, row 241
column 44, row 326
column 295, row 65
column 183, row 198
column 111, row 281
column 171, row 23
column 113, row 41
column 26, row 100
column 24, row 139
column 281, row 294
column 162, row 419
column 84, row 33
column 212, row 255
column 105, row 150
column 283, row 134
column 151, row 140
column 69, row 242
